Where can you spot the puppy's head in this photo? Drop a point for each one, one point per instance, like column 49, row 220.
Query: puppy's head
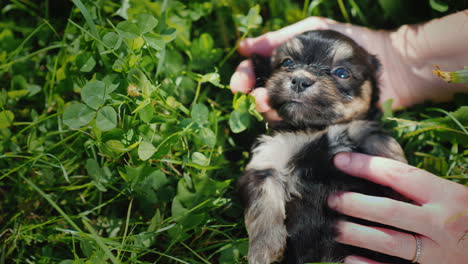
column 320, row 78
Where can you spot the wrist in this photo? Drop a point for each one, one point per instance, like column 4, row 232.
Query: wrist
column 411, row 74
column 395, row 80
column 418, row 48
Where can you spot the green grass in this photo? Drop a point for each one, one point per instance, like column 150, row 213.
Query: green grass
column 120, row 141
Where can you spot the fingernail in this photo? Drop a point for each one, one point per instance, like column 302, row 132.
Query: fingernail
column 353, row 260
column 332, row 201
column 245, row 65
column 235, row 87
column 342, row 159
column 240, row 82
column 243, row 47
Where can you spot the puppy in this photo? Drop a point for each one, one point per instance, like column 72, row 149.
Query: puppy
column 324, row 86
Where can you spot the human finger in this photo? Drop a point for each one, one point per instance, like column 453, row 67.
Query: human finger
column 390, row 242
column 266, row 43
column 261, row 100
column 272, row 116
column 243, row 79
column 414, row 183
column 383, row 210
column 262, row 104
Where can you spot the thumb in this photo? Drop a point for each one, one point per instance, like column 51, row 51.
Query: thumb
column 266, row 43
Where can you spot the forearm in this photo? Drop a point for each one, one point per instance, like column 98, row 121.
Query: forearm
column 442, row 42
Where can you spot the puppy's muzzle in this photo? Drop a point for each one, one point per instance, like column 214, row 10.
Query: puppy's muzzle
column 300, row 83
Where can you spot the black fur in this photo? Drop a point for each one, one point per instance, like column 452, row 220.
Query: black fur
column 323, row 127
column 310, row 223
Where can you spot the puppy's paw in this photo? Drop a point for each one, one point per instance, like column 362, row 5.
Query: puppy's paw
column 373, row 140
column 268, row 247
column 264, row 195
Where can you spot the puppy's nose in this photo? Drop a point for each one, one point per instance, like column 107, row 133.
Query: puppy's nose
column 301, row 83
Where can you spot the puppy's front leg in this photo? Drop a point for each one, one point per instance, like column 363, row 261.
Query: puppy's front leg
column 264, row 198
column 372, row 140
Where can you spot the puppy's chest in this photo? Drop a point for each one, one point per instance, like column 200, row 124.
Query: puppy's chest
column 287, row 152
column 276, row 152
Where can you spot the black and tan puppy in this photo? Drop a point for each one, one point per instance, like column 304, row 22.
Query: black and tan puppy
column 324, row 87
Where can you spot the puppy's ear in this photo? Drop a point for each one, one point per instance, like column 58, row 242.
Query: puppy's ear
column 262, row 69
column 374, row 61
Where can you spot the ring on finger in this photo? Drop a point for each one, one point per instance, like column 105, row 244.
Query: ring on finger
column 417, row 254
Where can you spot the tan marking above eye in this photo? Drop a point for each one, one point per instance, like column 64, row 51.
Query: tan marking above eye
column 343, row 51
column 295, row 45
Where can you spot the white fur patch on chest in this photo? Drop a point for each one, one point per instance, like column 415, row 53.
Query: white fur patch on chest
column 275, row 152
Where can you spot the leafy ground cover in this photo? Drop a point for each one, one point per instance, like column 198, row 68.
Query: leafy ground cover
column 120, row 141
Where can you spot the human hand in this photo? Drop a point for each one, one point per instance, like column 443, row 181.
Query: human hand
column 243, row 80
column 439, row 214
column 407, row 56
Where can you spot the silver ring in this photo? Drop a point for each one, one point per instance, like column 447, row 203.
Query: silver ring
column 418, row 249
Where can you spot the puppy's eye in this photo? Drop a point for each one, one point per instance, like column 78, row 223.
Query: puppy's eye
column 287, row 63
column 342, row 73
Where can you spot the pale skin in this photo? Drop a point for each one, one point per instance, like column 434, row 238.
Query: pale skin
column 439, row 214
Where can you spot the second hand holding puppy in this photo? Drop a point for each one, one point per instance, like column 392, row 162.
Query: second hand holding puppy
column 407, row 55
column 439, row 213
